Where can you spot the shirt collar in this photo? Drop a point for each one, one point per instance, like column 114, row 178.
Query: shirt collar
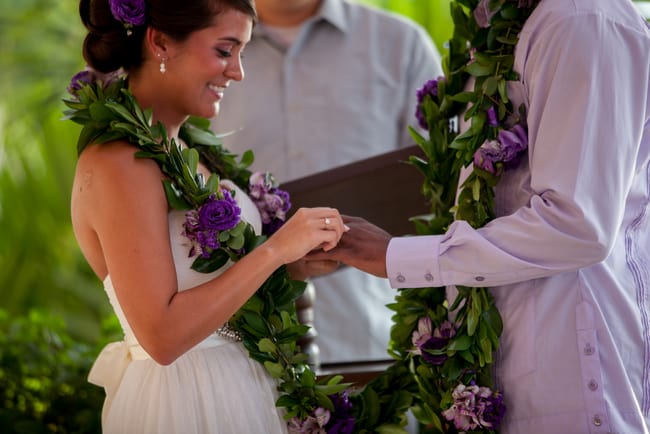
column 331, row 11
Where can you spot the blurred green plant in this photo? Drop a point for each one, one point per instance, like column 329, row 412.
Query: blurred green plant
column 43, row 386
column 433, row 15
column 40, row 264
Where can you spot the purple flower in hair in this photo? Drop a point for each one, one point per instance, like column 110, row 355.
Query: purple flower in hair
column 128, row 12
column 430, row 88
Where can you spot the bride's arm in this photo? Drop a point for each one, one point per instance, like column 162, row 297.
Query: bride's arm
column 129, row 216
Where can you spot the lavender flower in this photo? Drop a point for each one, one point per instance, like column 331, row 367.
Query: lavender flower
column 483, row 14
column 272, row 203
column 313, row 424
column 128, row 12
column 430, row 88
column 203, row 226
column 475, row 407
column 494, row 155
column 424, row 338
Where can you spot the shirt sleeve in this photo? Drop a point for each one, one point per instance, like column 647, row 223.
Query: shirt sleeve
column 582, row 76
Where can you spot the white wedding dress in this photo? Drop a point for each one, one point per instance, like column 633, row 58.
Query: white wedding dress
column 213, row 388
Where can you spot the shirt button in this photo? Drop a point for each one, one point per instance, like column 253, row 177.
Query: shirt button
column 479, row 278
column 593, row 385
column 588, row 350
column 400, row 278
column 597, row 420
column 428, row 277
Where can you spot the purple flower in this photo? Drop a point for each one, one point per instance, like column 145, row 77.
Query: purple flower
column 483, row 14
column 89, row 76
column 492, row 117
column 272, row 203
column 341, row 420
column 313, row 424
column 322, row 421
column 424, row 338
column 80, row 79
column 525, row 3
column 219, row 214
column 430, row 88
column 494, row 155
column 475, row 407
column 128, row 12
column 202, row 226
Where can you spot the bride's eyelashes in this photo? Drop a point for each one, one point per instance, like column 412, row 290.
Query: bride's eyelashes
column 223, row 53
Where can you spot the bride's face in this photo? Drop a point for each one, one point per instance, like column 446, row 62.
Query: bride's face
column 200, row 68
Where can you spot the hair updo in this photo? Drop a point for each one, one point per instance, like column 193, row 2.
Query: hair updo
column 108, row 47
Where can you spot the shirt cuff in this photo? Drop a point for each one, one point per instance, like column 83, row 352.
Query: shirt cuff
column 412, row 262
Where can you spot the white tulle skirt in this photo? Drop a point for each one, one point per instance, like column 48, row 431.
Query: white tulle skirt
column 214, row 388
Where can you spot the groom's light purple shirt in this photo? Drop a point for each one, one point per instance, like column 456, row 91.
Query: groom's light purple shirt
column 568, row 258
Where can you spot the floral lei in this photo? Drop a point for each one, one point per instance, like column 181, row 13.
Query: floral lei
column 441, row 369
column 267, row 323
column 449, row 349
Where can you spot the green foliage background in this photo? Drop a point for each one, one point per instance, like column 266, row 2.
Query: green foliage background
column 44, row 356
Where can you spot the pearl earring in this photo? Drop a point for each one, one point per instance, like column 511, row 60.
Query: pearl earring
column 163, row 67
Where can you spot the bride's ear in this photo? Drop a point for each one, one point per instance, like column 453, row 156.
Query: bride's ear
column 157, row 44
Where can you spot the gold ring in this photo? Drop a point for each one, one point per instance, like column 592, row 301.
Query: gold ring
column 327, row 221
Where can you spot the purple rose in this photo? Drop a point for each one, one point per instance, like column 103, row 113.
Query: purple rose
column 202, row 226
column 219, row 214
column 128, row 11
column 430, row 88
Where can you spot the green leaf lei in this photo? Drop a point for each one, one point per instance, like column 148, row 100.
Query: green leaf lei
column 267, row 322
column 449, row 356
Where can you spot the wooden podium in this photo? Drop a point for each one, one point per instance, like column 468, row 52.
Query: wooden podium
column 384, row 190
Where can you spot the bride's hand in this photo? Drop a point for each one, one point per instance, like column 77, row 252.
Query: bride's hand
column 307, row 230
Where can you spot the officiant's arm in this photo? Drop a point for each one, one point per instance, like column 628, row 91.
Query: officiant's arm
column 364, row 247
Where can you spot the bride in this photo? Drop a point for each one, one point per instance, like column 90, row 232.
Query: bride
column 180, row 368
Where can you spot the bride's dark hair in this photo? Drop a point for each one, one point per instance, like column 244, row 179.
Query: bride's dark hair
column 108, row 47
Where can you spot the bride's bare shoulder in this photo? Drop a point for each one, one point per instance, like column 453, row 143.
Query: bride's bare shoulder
column 115, row 164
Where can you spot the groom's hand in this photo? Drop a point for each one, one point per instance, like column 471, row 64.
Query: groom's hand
column 307, row 267
column 363, row 246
